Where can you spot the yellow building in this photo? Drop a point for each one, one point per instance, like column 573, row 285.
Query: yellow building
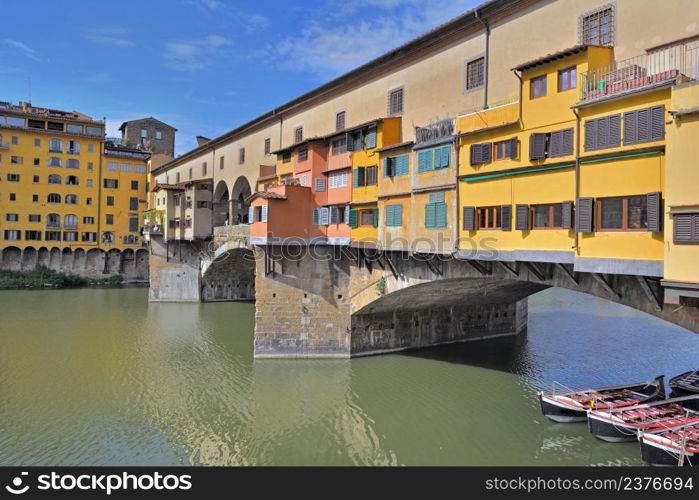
column 50, row 177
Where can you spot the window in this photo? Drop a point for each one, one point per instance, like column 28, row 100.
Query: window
column 32, row 235
column 537, row 87
column 17, row 160
column 158, row 135
column 602, row 133
column 53, row 220
column 686, row 227
column 111, row 183
column 11, row 217
column 55, row 161
column 70, row 236
column 126, row 167
column 489, row 217
column 139, row 169
column 15, row 122
column 54, row 179
column 108, row 237
column 547, row 216
column 340, row 121
column 221, row 163
column 93, row 130
column 74, row 129
column 268, row 146
column 567, row 79
column 202, row 204
column 367, row 217
column 36, row 179
column 112, row 166
column 359, row 177
column 88, row 183
column 89, row 237
column 298, row 134
column 70, row 221
column 35, row 218
column 133, row 224
column 177, row 177
column 644, row 125
column 71, row 199
column 628, row 213
column 144, row 133
column 56, row 146
column 433, row 159
column 72, row 180
column 302, row 155
column 73, row 148
column 90, row 148
column 506, row 149
column 37, row 162
column 110, row 201
column 13, row 235
column 303, row 180
column 88, row 220
column 13, row 177
column 597, row 26
column 109, row 219
column 475, row 73
column 52, row 236
column 133, row 204
column 337, row 179
column 54, row 126
column 90, row 166
column 241, row 156
column 15, row 139
column 395, row 166
column 53, row 198
column 190, row 172
column 37, row 143
column 13, row 196
column 436, row 211
column 88, row 201
column 319, row 184
column 372, row 175
column 339, row 146
column 395, row 102
column 35, row 198
column 551, row 144
column 286, row 157
column 394, row 215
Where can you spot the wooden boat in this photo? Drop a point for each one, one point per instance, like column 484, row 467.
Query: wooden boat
column 685, row 384
column 623, row 424
column 665, row 447
column 572, row 406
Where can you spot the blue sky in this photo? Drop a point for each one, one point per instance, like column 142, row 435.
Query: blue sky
column 204, row 66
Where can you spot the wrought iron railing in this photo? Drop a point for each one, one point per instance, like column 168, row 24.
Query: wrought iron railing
column 663, row 66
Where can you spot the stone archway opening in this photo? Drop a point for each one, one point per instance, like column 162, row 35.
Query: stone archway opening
column 239, row 196
column 222, row 207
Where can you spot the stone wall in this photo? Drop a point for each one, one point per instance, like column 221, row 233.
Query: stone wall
column 175, row 270
column 93, row 263
column 231, row 277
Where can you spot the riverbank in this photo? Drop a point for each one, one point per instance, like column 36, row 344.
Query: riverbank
column 43, row 277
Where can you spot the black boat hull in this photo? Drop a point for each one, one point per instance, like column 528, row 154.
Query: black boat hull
column 661, row 457
column 679, row 389
column 560, row 414
column 610, row 432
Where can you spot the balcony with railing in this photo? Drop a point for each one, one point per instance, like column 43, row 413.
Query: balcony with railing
column 644, row 72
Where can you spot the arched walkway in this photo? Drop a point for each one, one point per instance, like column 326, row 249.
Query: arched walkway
column 240, row 193
column 221, row 204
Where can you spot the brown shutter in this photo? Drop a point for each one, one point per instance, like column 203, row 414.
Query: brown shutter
column 657, row 123
column 522, row 218
column 513, row 147
column 469, row 216
column 643, row 124
column 654, row 208
column 630, row 128
column 584, row 213
column 487, row 152
column 602, row 133
column 567, row 142
column 555, row 144
column 506, row 217
column 537, row 146
column 614, row 137
column 567, row 215
column 476, row 156
column 686, row 228
column 590, row 135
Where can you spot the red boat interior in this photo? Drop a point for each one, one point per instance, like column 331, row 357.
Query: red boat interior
column 689, row 436
column 607, row 399
column 659, row 416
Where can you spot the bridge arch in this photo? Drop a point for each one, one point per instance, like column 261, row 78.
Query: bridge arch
column 239, row 194
column 411, row 302
column 230, row 277
column 221, row 204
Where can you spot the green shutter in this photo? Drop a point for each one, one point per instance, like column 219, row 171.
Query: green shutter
column 440, row 215
column 354, row 218
column 385, row 167
column 375, row 213
column 371, row 138
column 402, row 165
column 430, row 215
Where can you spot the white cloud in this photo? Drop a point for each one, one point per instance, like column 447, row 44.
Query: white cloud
column 100, row 78
column 205, row 5
column 257, row 22
column 194, row 55
column 25, row 49
column 112, row 37
column 330, row 48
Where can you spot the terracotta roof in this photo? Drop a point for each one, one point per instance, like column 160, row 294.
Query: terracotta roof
column 265, row 195
column 551, row 57
column 174, row 187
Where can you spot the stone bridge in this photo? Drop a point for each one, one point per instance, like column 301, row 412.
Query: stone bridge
column 341, row 302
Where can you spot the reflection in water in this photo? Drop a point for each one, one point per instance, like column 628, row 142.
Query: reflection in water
column 101, row 377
